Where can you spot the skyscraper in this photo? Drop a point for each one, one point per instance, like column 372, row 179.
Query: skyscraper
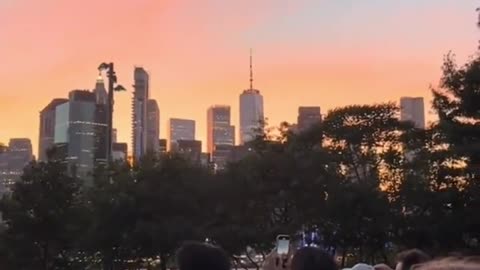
column 4, row 173
column 114, row 135
column 180, row 129
column 251, row 111
column 139, row 113
column 47, row 127
column 162, row 145
column 153, row 126
column 220, row 134
column 75, row 129
column 19, row 154
column 412, row 110
column 120, row 151
column 12, row 161
column 191, row 150
column 308, row 117
column 100, row 92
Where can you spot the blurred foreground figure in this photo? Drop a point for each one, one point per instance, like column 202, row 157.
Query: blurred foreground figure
column 312, row 258
column 382, row 266
column 199, row 256
column 450, row 264
column 409, row 258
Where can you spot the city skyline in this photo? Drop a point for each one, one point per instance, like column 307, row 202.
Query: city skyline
column 397, row 58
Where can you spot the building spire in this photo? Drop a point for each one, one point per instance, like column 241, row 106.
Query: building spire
column 251, row 70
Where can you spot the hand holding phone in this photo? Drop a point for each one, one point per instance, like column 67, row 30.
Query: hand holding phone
column 283, row 244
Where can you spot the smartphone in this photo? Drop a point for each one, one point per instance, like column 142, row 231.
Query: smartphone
column 283, row 244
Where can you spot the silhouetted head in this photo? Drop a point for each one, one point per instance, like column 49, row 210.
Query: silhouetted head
column 382, row 266
column 199, row 256
column 311, row 258
column 451, row 263
column 409, row 258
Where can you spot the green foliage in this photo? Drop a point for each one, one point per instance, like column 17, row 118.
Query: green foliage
column 41, row 218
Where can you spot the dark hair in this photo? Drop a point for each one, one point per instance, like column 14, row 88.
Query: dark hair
column 199, row 256
column 412, row 257
column 311, row 258
column 452, row 263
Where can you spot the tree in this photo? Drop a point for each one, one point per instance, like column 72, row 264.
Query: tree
column 456, row 103
column 365, row 146
column 169, row 206
column 111, row 205
column 40, row 217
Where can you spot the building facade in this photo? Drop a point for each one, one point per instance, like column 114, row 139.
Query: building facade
column 13, row 159
column 412, row 109
column 153, row 126
column 162, row 146
column 220, row 134
column 47, row 127
column 191, row 150
column 76, row 131
column 308, row 117
column 251, row 115
column 180, row 129
column 139, row 113
column 120, row 151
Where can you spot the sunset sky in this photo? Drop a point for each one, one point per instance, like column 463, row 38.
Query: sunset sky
column 306, row 52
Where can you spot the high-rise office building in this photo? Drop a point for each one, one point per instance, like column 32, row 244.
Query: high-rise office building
column 191, row 150
column 162, row 145
column 75, row 130
column 100, row 92
column 251, row 111
column 220, row 134
column 101, row 133
column 412, row 109
column 101, row 121
column 153, row 126
column 120, row 151
column 180, row 129
column 139, row 113
column 47, row 127
column 13, row 160
column 4, row 173
column 308, row 117
column 114, row 135
column 19, row 154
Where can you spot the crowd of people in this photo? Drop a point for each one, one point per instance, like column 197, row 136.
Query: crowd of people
column 204, row 256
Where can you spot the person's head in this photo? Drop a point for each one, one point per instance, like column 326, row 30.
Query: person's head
column 382, row 266
column 409, row 258
column 311, row 258
column 199, row 256
column 450, row 264
column 362, row 266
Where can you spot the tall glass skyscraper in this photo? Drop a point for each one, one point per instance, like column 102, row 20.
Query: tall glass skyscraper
column 75, row 128
column 251, row 111
column 139, row 113
column 220, row 134
column 153, row 126
column 13, row 159
column 47, row 127
column 308, row 117
column 180, row 129
column 412, row 109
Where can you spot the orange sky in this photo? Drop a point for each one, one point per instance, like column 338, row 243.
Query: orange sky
column 306, row 52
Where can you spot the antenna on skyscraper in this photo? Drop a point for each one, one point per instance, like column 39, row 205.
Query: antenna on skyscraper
column 251, row 70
